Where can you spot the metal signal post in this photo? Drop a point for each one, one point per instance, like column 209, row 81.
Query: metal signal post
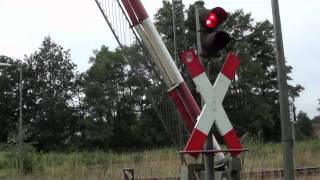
column 208, row 160
column 286, row 131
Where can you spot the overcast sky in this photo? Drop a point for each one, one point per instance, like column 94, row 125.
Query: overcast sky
column 79, row 26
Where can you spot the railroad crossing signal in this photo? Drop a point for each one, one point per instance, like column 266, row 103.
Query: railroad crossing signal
column 213, row 97
column 212, row 39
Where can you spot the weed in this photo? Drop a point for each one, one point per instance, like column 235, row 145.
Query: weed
column 163, row 162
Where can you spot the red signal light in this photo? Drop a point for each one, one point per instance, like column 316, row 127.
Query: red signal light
column 212, row 38
column 212, row 20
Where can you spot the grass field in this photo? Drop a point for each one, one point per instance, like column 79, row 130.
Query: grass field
column 162, row 162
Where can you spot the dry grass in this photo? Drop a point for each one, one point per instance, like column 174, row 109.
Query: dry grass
column 164, row 162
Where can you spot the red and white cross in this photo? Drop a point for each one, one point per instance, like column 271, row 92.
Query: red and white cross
column 213, row 96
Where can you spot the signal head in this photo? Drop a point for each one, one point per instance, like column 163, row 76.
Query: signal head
column 212, row 39
column 213, row 18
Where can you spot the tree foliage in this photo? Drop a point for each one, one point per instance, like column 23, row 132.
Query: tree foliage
column 316, row 119
column 304, row 126
column 164, row 23
column 9, row 98
column 116, row 104
column 50, row 84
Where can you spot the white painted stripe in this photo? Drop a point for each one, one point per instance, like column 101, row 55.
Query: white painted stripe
column 204, row 87
column 205, row 120
column 222, row 120
column 220, row 87
column 210, row 114
column 211, row 93
column 162, row 51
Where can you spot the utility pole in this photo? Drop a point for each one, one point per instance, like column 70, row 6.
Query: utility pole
column 286, row 131
column 208, row 159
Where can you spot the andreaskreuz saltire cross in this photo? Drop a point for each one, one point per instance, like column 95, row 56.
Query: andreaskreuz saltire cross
column 213, row 96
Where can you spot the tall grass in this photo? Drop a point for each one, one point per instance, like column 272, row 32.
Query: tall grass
column 163, row 162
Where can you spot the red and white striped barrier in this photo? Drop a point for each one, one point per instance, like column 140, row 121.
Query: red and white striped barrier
column 145, row 40
column 156, row 42
column 213, row 97
column 178, row 90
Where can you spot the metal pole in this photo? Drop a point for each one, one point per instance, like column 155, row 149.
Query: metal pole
column 286, row 131
column 197, row 6
column 208, row 159
column 174, row 31
column 174, row 25
column 20, row 121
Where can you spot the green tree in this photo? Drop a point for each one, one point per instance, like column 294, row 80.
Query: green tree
column 50, row 81
column 304, row 126
column 256, row 83
column 164, row 23
column 116, row 101
column 316, row 119
column 9, row 98
column 103, row 83
column 190, row 28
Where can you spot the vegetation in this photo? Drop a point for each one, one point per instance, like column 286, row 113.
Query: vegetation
column 316, row 119
column 164, row 162
column 304, row 126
